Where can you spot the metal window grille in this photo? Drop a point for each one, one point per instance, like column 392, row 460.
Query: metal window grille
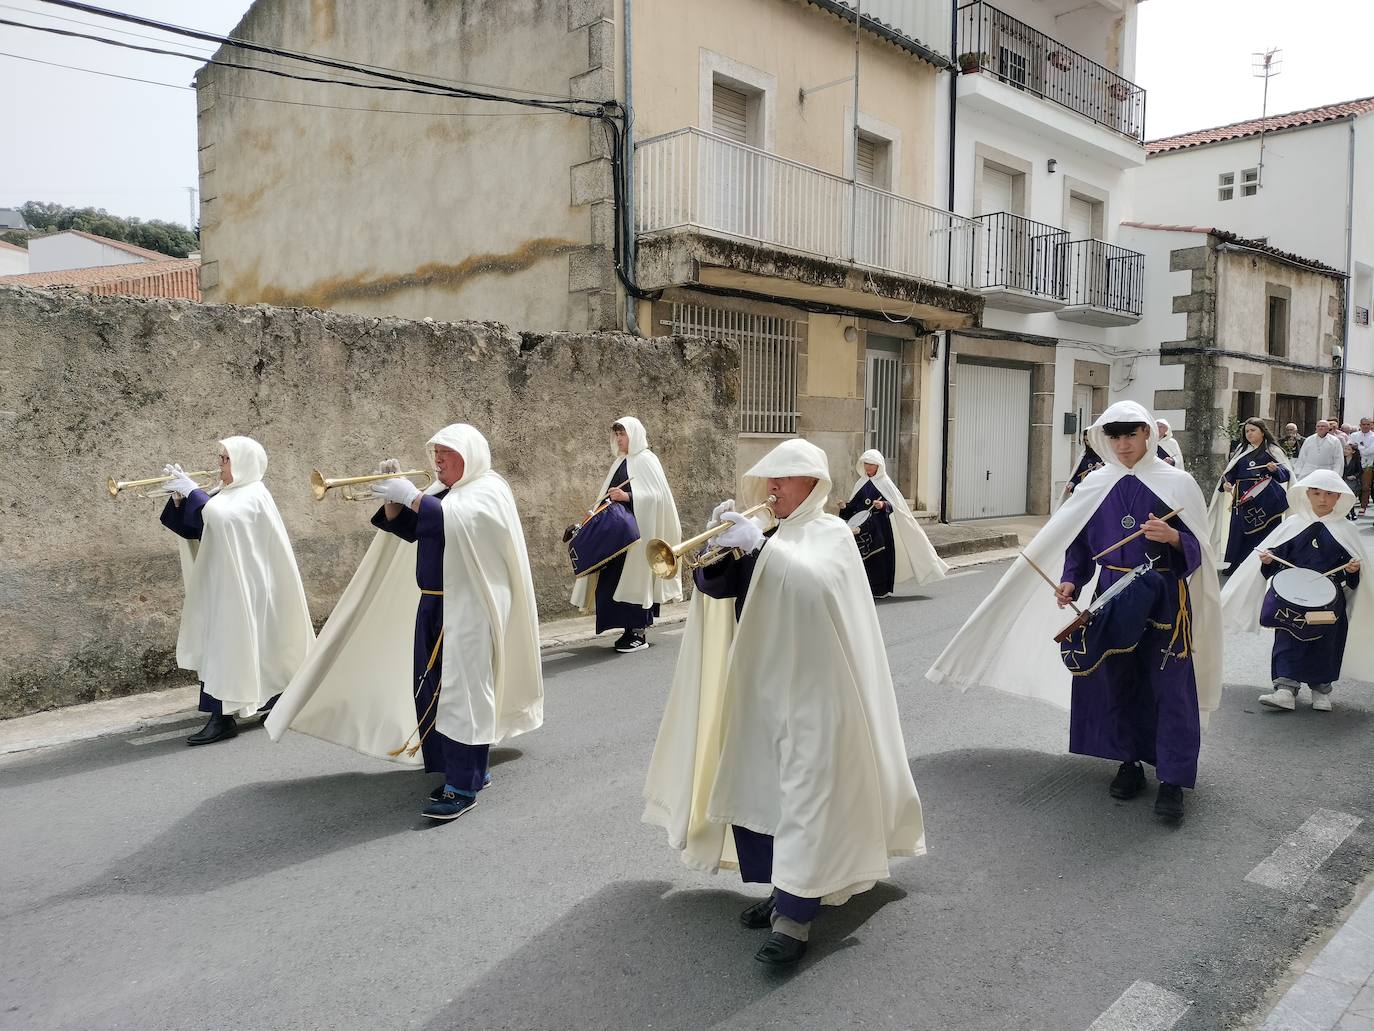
column 768, row 361
column 1226, row 185
column 1361, row 315
column 1249, row 182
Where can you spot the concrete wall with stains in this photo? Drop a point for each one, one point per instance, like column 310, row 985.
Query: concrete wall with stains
column 90, row 387
column 399, row 204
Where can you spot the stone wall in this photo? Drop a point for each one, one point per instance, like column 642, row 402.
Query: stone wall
column 99, row 386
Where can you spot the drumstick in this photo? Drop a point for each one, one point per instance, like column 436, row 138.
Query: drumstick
column 1054, row 586
column 1138, row 533
column 1290, row 565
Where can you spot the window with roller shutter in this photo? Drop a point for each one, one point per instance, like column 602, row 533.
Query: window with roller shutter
column 730, row 113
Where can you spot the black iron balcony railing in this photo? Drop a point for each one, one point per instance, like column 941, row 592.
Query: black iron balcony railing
column 1016, row 253
column 993, row 41
column 1103, row 275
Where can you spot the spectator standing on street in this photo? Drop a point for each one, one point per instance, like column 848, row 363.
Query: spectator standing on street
column 1363, row 439
column 1337, row 430
column 1322, row 450
column 1291, row 440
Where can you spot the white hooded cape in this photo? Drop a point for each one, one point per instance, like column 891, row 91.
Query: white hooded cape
column 916, row 558
column 1223, row 502
column 1170, row 445
column 1244, row 593
column 656, row 514
column 1008, row 642
column 357, row 689
column 788, row 723
column 245, row 626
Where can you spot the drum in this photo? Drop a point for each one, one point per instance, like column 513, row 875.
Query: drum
column 1116, row 626
column 1300, row 601
column 1255, row 491
column 866, row 537
column 610, row 532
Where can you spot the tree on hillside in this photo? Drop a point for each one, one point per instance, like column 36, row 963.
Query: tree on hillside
column 166, row 237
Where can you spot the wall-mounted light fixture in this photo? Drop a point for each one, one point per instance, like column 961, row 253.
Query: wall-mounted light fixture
column 1052, row 164
column 851, row 335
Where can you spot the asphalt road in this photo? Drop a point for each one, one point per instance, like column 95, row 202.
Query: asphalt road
column 248, row 885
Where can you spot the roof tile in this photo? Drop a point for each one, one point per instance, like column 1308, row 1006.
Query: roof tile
column 1254, row 126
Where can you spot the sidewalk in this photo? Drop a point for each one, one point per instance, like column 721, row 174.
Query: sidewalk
column 154, row 708
column 1336, row 990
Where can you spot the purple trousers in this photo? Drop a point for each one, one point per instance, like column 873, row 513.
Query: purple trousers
column 755, row 852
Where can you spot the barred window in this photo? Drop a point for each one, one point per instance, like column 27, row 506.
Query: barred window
column 768, row 361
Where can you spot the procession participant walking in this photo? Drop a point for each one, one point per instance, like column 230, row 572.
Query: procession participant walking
column 1168, row 444
column 1251, row 495
column 898, row 549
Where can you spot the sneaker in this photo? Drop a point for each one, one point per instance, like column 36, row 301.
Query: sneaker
column 450, row 806
column 1321, row 702
column 438, row 792
column 1280, row 698
column 1128, row 782
column 634, row 644
column 1169, row 802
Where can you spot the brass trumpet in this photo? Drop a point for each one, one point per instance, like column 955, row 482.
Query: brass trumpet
column 116, row 487
column 666, row 559
column 321, row 486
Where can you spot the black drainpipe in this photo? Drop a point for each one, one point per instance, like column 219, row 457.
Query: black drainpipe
column 949, row 337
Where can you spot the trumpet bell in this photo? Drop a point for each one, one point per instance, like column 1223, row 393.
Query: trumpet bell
column 663, row 559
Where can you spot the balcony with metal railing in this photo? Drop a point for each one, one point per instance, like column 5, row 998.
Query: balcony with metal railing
column 995, row 44
column 694, row 182
column 1104, row 285
column 1019, row 263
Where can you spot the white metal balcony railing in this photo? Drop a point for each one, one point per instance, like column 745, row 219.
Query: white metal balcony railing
column 692, row 178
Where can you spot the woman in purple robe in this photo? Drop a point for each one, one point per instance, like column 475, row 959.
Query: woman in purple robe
column 1140, row 705
column 1253, row 517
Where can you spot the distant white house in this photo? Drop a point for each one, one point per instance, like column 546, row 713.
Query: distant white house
column 14, row 261
column 1298, row 182
column 11, row 218
column 71, row 249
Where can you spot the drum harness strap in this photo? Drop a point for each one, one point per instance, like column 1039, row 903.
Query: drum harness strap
column 406, row 746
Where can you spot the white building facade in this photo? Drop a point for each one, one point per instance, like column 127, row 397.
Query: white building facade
column 72, row 249
column 1047, row 130
column 1294, row 182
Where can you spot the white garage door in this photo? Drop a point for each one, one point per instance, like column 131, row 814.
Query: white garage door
column 991, row 441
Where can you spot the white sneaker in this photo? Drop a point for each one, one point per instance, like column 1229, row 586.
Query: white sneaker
column 1280, row 698
column 1321, row 702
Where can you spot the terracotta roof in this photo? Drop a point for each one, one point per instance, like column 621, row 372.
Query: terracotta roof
column 170, row 277
column 128, row 248
column 1254, row 126
column 1225, row 236
column 5, row 245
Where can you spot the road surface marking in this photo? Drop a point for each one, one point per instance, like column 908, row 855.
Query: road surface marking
column 1292, row 863
column 1142, row 1007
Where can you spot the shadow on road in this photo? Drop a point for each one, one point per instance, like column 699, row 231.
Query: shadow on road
column 635, row 955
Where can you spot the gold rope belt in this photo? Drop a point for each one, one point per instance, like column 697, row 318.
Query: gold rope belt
column 436, row 594
column 433, row 699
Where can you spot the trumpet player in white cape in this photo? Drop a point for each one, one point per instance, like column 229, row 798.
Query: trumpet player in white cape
column 1317, row 537
column 780, row 753
column 245, row 626
column 1148, row 701
column 434, row 646
column 625, row 594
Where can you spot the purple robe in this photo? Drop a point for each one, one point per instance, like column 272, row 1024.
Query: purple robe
column 881, row 566
column 1141, row 705
column 1312, row 656
column 464, row 766
column 1253, row 521
column 188, row 522
column 612, row 614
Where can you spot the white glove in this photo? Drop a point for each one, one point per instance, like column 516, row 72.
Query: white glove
column 399, row 490
column 180, row 482
column 744, row 534
column 388, row 465
column 728, row 505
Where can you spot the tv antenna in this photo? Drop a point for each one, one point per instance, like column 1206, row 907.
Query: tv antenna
column 1264, row 65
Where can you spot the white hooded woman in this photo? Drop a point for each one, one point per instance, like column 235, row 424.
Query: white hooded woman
column 1251, row 496
column 780, row 753
column 624, row 592
column 1312, row 643
column 1141, row 677
column 897, row 548
column 434, row 645
column 245, row 626
column 1168, row 443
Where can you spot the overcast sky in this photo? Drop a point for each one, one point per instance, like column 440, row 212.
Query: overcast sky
column 82, row 139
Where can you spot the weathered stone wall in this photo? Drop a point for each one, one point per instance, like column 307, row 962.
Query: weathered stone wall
column 91, row 387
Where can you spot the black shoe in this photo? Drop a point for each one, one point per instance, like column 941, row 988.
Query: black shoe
column 217, row 728
column 449, row 806
column 759, row 915
column 266, row 710
column 1169, row 802
column 438, row 792
column 633, row 642
column 1128, row 782
column 780, row 950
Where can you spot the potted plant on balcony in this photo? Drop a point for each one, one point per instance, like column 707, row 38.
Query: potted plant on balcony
column 972, row 61
column 1119, row 91
column 1060, row 60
